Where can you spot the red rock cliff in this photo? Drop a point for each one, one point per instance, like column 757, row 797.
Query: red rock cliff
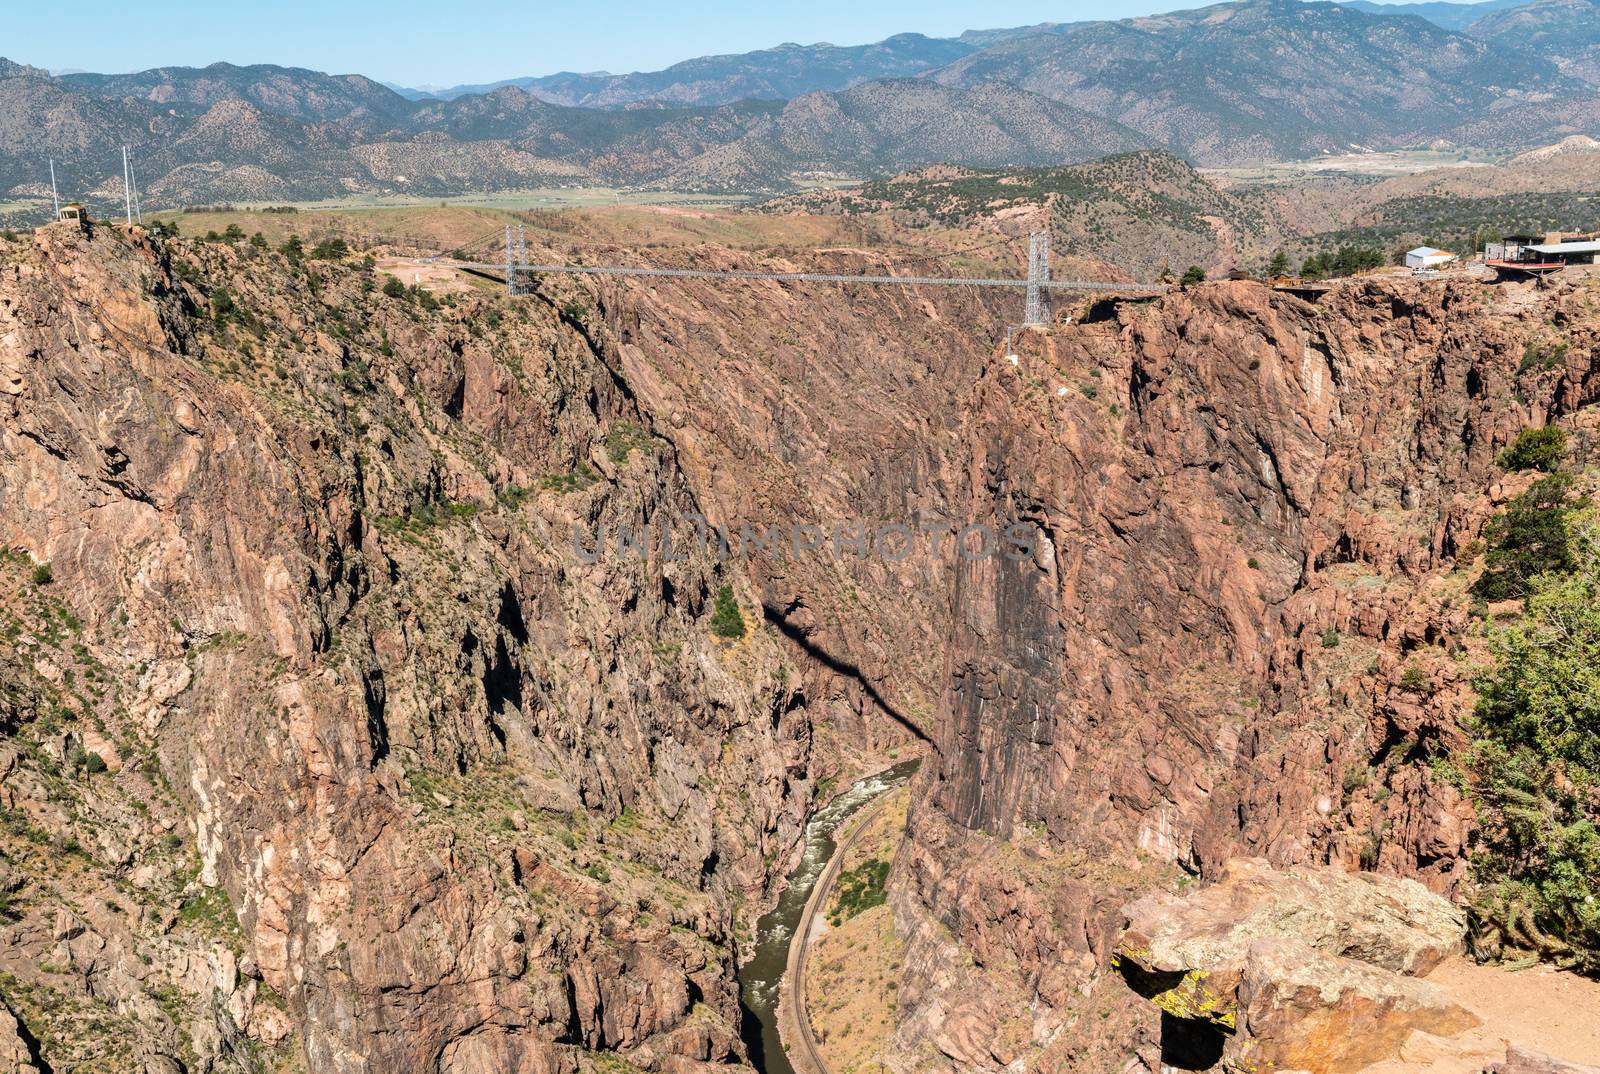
column 1248, row 511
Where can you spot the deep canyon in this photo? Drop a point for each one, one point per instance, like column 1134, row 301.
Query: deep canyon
column 388, row 774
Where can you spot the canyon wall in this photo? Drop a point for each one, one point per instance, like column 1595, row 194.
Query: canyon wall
column 1244, row 632
column 324, row 742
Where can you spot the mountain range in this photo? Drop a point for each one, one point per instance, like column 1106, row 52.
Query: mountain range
column 780, row 73
column 1235, row 83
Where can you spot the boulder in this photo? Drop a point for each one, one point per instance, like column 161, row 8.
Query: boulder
column 1306, row 969
column 1392, row 923
column 1301, row 1009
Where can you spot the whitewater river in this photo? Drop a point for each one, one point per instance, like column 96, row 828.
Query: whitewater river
column 759, row 978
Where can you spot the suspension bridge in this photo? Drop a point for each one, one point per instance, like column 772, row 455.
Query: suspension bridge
column 518, row 271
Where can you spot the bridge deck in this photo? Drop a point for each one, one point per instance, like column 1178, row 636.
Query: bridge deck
column 809, row 277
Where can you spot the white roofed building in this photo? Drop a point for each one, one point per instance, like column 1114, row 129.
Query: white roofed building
column 1426, row 257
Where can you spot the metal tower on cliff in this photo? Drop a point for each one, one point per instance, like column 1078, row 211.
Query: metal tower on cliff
column 1036, row 313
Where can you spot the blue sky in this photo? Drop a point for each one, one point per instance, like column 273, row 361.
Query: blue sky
column 442, row 43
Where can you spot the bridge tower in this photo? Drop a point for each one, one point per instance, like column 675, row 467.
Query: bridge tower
column 516, row 257
column 1037, row 312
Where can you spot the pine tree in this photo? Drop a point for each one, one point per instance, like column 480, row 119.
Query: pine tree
column 726, row 621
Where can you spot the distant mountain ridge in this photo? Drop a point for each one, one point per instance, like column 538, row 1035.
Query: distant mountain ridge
column 893, row 124
column 780, row 73
column 1235, row 83
column 1272, row 79
column 289, row 91
column 1451, row 16
column 1568, row 31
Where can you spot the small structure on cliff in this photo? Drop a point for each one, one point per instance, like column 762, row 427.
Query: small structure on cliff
column 1524, row 256
column 1580, row 252
column 1427, row 257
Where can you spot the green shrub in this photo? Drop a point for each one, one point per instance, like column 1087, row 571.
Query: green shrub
column 1535, row 449
column 726, row 620
column 1535, row 763
column 330, row 250
column 223, row 306
column 1529, row 538
column 621, row 442
column 1192, row 275
column 394, row 288
column 43, row 574
column 1542, row 356
column 1330, row 640
column 581, row 477
column 862, row 888
column 1414, row 680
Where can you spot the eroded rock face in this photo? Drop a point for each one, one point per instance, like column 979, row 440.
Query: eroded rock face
column 14, row 1052
column 467, row 792
column 397, row 778
column 321, row 737
column 1303, row 969
column 1248, row 510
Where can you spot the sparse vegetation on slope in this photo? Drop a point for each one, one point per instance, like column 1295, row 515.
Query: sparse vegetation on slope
column 1143, row 210
column 1535, row 767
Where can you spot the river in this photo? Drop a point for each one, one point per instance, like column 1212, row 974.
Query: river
column 759, row 978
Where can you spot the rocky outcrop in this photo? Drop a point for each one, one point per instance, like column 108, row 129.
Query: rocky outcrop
column 1391, row 923
column 1305, row 969
column 15, row 1053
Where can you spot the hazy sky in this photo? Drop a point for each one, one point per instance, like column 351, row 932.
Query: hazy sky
column 440, row 43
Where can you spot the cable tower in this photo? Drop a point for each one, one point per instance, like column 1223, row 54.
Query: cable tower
column 127, row 189
column 516, row 258
column 1037, row 313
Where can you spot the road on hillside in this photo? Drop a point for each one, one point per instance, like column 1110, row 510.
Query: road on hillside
column 806, row 1049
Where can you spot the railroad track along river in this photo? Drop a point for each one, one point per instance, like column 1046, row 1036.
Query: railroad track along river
column 799, row 1019
column 772, row 988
